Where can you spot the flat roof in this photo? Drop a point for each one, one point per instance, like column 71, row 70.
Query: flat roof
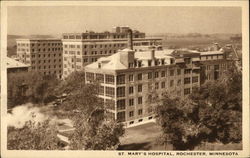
column 38, row 39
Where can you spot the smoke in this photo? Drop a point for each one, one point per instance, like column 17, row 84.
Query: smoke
column 23, row 113
column 27, row 112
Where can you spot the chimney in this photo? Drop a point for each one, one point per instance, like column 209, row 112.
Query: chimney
column 130, row 39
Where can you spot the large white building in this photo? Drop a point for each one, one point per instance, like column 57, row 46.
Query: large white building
column 128, row 79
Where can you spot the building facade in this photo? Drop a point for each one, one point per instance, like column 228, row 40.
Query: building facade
column 81, row 49
column 132, row 81
column 43, row 55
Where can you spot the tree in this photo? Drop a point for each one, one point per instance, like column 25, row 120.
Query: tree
column 211, row 113
column 32, row 87
column 93, row 129
column 33, row 136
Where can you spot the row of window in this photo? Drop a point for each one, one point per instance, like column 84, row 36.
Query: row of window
column 47, row 67
column 45, row 55
column 45, row 61
column 95, row 46
column 90, row 53
column 39, row 44
column 40, row 50
column 121, row 104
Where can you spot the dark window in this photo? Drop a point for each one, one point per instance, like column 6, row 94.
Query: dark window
column 171, row 72
column 131, row 102
column 131, row 90
column 121, row 79
column 121, row 116
column 131, row 77
column 163, row 85
column 139, row 100
column 156, row 75
column 187, row 80
column 186, row 91
column 121, row 104
column 139, row 76
column 121, row 92
column 150, row 75
column 139, row 88
column 195, row 79
column 163, row 74
column 109, row 79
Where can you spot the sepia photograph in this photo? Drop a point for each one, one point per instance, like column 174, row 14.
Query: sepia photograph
column 134, row 79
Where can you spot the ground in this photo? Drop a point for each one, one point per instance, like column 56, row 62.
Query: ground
column 142, row 137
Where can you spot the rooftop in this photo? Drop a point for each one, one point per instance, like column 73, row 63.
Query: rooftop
column 12, row 63
column 38, row 39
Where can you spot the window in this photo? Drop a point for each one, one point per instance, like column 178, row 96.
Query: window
column 150, row 75
column 163, row 74
column 187, row 80
column 131, row 77
column 149, row 63
column 139, row 100
column 121, row 79
column 131, row 90
column 187, row 60
column 110, row 92
column 100, row 78
column 101, row 90
column 121, row 116
column 78, row 59
column 195, row 79
column 216, row 67
column 171, row 83
column 140, row 112
column 179, row 82
column 131, row 113
column 121, row 104
column 121, row 92
column 140, row 88
column 163, row 85
column 139, row 76
column 156, row 75
column 89, row 76
column 186, row 91
column 178, row 71
column 156, row 85
column 109, row 79
column 139, row 64
column 187, row 71
column 171, row 72
column 131, row 102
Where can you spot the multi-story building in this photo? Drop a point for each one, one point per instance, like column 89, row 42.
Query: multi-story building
column 129, row 79
column 43, row 55
column 14, row 66
column 81, row 49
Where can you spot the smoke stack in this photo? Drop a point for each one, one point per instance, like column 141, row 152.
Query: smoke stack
column 130, row 39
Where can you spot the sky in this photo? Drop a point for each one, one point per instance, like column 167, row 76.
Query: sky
column 44, row 20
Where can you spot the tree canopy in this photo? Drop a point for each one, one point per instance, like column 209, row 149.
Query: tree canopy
column 94, row 130
column 32, row 87
column 33, row 136
column 213, row 112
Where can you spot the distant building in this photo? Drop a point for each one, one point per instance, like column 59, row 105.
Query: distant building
column 14, row 66
column 128, row 78
column 81, row 49
column 43, row 55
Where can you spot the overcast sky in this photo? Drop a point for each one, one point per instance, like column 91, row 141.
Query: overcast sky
column 57, row 20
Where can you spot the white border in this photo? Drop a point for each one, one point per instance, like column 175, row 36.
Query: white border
column 32, row 154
